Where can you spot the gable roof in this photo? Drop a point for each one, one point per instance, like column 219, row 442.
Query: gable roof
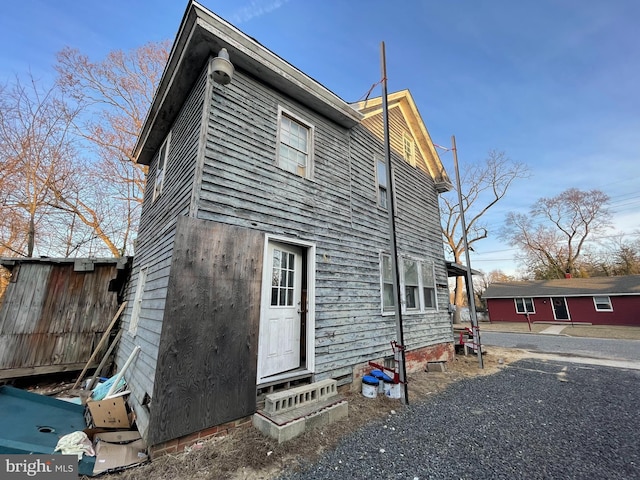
column 567, row 287
column 403, row 101
column 202, row 34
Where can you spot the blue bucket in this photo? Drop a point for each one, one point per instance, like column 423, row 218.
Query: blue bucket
column 379, row 374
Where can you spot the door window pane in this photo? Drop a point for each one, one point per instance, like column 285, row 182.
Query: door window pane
column 283, row 277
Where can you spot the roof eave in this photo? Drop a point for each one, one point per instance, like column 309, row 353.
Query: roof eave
column 202, row 34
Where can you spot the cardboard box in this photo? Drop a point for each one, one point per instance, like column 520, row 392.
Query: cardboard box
column 110, row 413
column 118, row 450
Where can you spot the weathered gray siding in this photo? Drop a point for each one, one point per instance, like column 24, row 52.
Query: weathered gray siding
column 336, row 209
column 155, row 246
column 53, row 315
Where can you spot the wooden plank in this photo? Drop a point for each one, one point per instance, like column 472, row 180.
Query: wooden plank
column 102, row 341
column 103, row 362
column 206, row 370
column 6, row 374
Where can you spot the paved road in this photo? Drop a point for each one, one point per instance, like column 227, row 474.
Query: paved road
column 590, row 347
column 533, row 420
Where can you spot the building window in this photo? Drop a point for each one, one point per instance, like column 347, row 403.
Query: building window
column 428, row 285
column 161, row 172
column 417, row 284
column 524, row 305
column 388, row 300
column 381, row 177
column 603, row 304
column 137, row 302
column 408, row 148
column 411, row 284
column 295, row 145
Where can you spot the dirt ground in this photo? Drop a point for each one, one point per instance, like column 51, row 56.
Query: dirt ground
column 247, row 454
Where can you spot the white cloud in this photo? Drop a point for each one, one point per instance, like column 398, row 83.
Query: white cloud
column 255, row 9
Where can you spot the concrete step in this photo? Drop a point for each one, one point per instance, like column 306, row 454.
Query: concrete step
column 289, row 413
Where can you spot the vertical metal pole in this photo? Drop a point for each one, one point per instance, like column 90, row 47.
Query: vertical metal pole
column 470, row 293
column 392, row 230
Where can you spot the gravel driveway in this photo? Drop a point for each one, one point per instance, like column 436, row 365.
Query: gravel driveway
column 533, row 419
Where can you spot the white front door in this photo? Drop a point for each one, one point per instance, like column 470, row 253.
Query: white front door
column 279, row 339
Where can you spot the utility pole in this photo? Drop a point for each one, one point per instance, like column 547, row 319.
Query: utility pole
column 470, row 294
column 392, row 231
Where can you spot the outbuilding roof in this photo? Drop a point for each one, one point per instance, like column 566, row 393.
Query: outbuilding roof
column 566, row 287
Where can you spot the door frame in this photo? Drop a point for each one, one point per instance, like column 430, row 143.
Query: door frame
column 309, row 256
column 566, row 308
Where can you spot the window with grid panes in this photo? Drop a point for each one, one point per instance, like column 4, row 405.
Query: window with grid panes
column 294, row 145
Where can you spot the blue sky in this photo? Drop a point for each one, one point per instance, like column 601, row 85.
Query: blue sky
column 553, row 83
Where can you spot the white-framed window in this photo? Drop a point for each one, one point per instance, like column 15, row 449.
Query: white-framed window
column 417, row 285
column 408, row 148
column 295, row 144
column 381, row 181
column 386, row 275
column 411, row 282
column 603, row 304
column 428, row 285
column 137, row 301
column 524, row 305
column 161, row 172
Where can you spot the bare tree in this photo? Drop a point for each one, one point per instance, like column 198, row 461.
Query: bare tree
column 482, row 282
column 35, row 148
column 553, row 234
column 618, row 255
column 114, row 95
column 483, row 186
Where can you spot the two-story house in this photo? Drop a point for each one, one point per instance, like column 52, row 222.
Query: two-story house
column 262, row 257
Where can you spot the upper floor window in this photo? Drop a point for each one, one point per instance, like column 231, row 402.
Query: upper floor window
column 381, row 175
column 603, row 304
column 524, row 305
column 295, row 145
column 163, row 154
column 408, row 148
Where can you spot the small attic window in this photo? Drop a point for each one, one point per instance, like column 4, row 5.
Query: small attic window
column 408, row 148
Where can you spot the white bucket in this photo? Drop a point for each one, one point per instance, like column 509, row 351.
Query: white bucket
column 369, row 386
column 392, row 390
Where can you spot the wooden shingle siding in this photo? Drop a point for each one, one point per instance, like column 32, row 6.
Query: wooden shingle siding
column 336, row 209
column 155, row 245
